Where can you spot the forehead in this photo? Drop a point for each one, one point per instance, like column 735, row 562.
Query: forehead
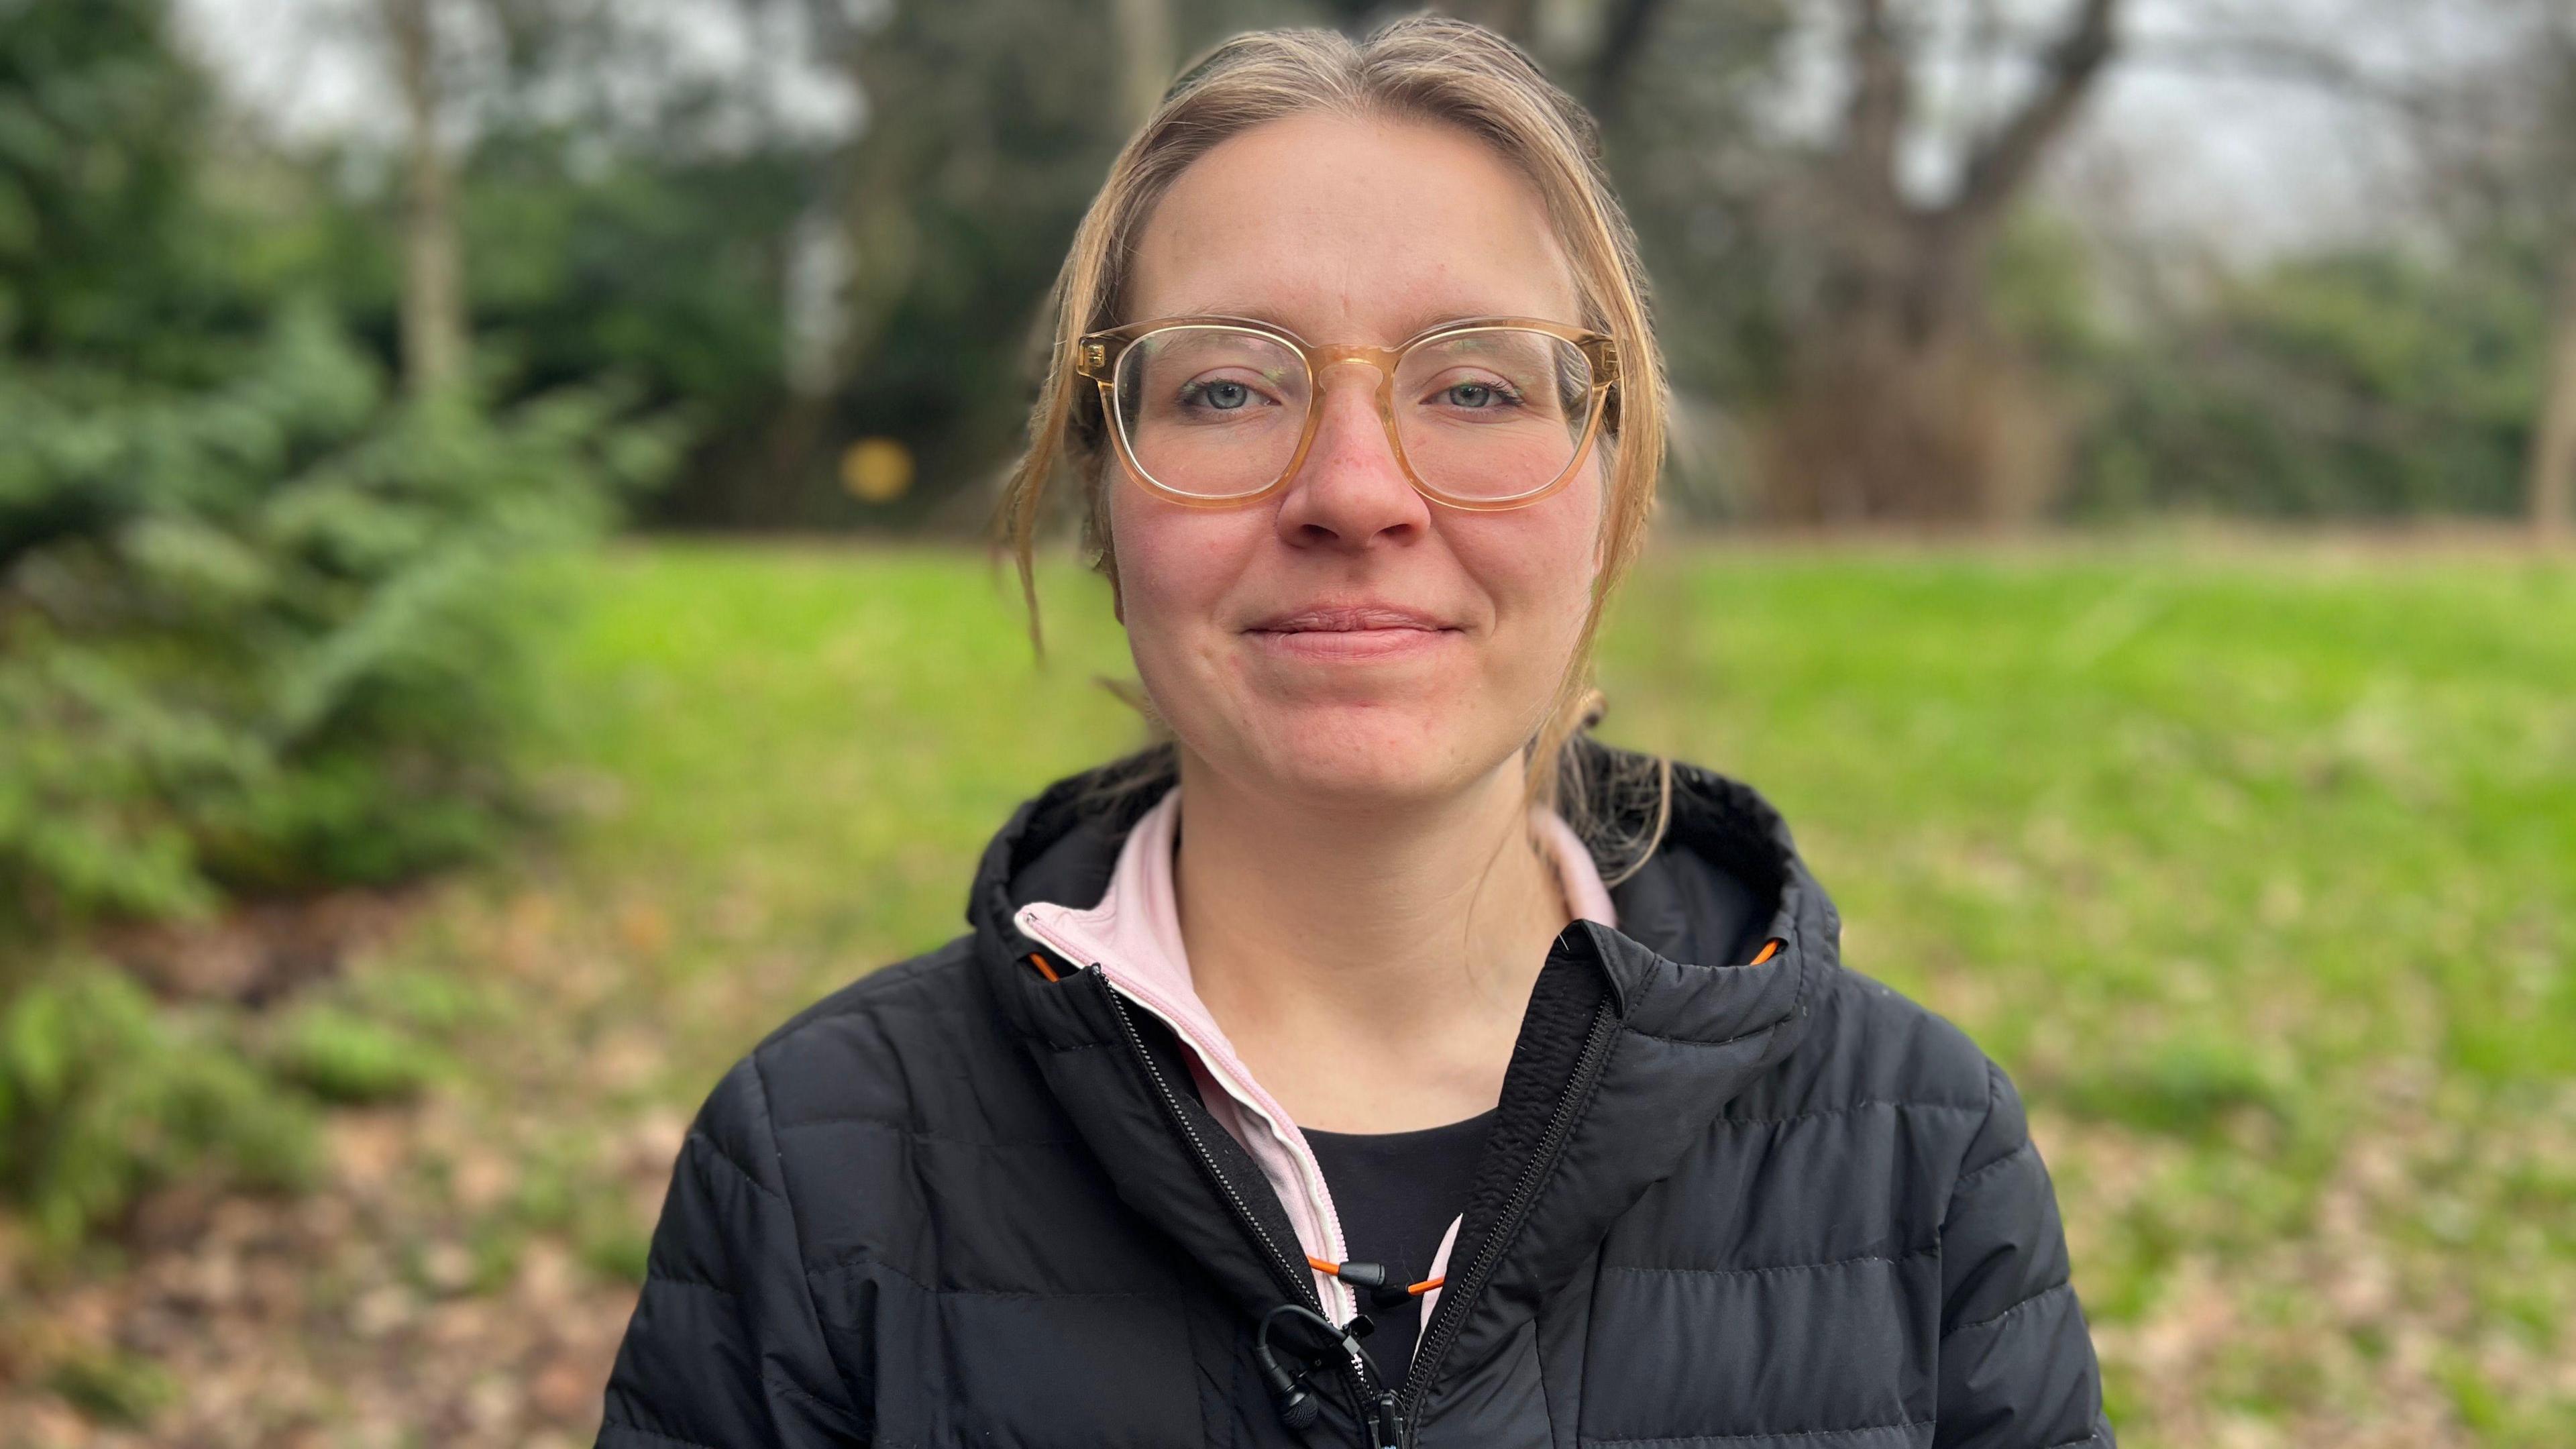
column 1348, row 229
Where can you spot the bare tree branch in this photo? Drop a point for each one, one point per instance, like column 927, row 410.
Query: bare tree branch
column 2295, row 61
column 1882, row 86
column 1998, row 170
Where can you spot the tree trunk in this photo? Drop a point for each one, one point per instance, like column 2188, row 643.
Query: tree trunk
column 1146, row 54
column 2553, row 448
column 1625, row 26
column 1904, row 406
column 1903, row 401
column 873, row 185
column 433, row 293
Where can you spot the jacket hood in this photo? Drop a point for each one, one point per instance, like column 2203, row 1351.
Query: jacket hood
column 1725, row 878
column 1696, row 1011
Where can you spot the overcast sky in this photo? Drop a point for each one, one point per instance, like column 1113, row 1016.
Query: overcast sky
column 2243, row 163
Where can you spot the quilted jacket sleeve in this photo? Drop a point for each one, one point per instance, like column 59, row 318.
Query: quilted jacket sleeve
column 725, row 1350
column 2017, row 1365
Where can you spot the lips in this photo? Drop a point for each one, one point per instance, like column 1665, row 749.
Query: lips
column 1343, row 635
column 1346, row 619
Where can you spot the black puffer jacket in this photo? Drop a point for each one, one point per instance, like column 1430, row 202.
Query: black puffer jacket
column 1725, row 1206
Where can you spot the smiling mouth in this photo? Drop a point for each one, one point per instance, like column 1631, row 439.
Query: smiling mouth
column 1348, row 634
column 1362, row 619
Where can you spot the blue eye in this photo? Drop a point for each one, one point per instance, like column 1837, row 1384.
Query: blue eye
column 1221, row 396
column 1478, row 396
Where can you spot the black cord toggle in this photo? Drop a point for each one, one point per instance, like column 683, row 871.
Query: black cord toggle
column 1362, row 1275
column 1383, row 1289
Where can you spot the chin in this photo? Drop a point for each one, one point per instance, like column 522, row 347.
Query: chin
column 1371, row 757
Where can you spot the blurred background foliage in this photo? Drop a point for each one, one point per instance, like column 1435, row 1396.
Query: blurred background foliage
column 800, row 224
column 264, row 621
column 337, row 335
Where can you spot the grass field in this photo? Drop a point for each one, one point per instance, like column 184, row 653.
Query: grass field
column 2257, row 868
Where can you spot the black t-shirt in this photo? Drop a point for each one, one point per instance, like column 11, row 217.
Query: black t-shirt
column 1396, row 1193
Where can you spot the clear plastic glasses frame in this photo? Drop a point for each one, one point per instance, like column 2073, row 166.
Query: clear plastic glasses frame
column 1099, row 355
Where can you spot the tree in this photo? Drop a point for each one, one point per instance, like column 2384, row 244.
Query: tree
column 2552, row 486
column 1625, row 27
column 2494, row 141
column 2496, row 146
column 1147, row 54
column 258, row 628
column 100, row 233
column 986, row 125
column 2553, row 448
column 1900, row 399
column 433, row 295
column 442, row 91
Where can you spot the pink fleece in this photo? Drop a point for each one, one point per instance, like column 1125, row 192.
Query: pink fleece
column 1134, row 936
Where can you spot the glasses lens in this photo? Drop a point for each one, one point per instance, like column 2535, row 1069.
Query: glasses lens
column 1493, row 413
column 1209, row 411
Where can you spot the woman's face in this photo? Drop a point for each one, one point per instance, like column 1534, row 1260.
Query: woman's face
column 1346, row 638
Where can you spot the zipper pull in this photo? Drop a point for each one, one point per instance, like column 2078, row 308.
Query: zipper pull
column 1390, row 1423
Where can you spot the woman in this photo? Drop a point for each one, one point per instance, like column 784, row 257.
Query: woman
column 1378, row 1060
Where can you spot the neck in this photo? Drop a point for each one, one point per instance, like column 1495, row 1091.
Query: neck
column 1413, row 930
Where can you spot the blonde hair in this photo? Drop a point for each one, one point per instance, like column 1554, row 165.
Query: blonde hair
column 1424, row 68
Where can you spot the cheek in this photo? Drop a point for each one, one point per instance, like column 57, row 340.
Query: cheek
column 1174, row 567
column 1537, row 565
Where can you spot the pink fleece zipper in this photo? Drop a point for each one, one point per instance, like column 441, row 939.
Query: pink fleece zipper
column 1134, row 936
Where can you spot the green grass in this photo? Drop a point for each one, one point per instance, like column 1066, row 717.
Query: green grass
column 2259, row 873
column 2257, row 869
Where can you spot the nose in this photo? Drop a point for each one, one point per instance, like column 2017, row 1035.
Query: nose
column 1350, row 492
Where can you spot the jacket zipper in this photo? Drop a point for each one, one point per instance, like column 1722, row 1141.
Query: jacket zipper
column 1438, row 1335
column 1298, row 1280
column 1310, row 1174
column 1461, row 1292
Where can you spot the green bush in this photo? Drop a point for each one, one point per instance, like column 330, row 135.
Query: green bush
column 264, row 624
column 272, row 635
column 104, row 1093
column 2362, row 384
column 122, row 1389
column 349, row 1057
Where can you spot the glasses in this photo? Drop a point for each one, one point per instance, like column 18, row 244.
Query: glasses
column 1485, row 413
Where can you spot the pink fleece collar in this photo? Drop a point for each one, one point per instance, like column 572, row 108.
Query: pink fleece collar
column 1134, row 936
